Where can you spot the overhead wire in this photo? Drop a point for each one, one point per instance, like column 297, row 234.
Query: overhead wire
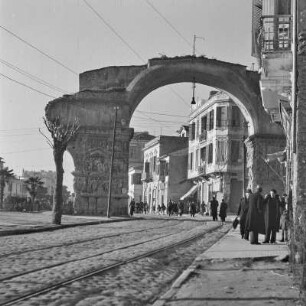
column 99, row 15
column 27, row 86
column 38, row 50
column 32, row 77
column 168, row 23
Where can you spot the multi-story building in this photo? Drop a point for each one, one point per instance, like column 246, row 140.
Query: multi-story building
column 272, row 32
column 137, row 144
column 216, row 163
column 165, row 170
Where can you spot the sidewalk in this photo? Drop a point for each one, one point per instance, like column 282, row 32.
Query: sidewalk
column 15, row 223
column 234, row 272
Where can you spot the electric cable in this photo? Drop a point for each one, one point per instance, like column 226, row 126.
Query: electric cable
column 25, row 85
column 32, row 77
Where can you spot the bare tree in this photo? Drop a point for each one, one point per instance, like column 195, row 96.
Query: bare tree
column 61, row 135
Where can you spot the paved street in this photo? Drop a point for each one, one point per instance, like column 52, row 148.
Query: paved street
column 35, row 261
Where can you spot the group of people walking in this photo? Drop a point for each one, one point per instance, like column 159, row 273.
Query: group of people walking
column 214, row 209
column 263, row 215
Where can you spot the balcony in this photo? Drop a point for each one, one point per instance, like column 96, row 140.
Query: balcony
column 146, row 177
column 276, row 33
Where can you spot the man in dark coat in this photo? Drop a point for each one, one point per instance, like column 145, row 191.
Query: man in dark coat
column 222, row 213
column 255, row 221
column 214, row 208
column 271, row 216
column 132, row 207
column 242, row 213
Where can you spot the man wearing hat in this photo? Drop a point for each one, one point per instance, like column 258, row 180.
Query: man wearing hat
column 242, row 213
column 255, row 220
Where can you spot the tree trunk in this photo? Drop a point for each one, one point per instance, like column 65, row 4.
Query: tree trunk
column 58, row 203
column 2, row 186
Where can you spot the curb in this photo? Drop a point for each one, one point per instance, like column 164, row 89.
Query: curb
column 49, row 228
column 183, row 277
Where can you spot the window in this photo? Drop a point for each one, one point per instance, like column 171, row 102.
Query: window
column 190, row 161
column 221, row 116
column 136, row 179
column 210, row 153
column 162, row 166
column 203, row 154
column 236, row 118
column 192, row 131
column 147, row 167
column 154, row 163
column 221, row 151
column 203, row 124
column 211, row 120
column 235, row 150
column 197, row 158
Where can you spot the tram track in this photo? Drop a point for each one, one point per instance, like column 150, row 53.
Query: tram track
column 109, row 267
column 86, row 240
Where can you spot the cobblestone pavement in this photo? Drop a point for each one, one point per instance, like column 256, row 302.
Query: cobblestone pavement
column 34, row 261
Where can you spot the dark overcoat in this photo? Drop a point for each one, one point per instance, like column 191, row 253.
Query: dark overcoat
column 271, row 213
column 214, row 207
column 242, row 212
column 223, row 208
column 255, row 219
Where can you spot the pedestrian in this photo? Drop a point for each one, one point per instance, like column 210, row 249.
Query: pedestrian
column 271, row 216
column 159, row 209
column 169, row 208
column 181, row 208
column 145, row 207
column 132, row 207
column 163, row 208
column 214, row 208
column 222, row 213
column 255, row 220
column 202, row 208
column 192, row 209
column 242, row 213
column 284, row 225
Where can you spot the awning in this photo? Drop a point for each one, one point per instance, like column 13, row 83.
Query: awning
column 281, row 156
column 190, row 192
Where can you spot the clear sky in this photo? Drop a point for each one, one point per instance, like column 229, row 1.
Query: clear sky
column 45, row 44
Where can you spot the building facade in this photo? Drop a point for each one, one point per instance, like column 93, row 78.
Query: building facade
column 15, row 187
column 164, row 174
column 272, row 37
column 136, row 157
column 216, row 163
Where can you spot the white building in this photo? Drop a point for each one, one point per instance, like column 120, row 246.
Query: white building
column 216, row 160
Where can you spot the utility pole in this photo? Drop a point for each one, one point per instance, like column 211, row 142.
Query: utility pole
column 111, row 165
column 194, row 43
column 245, row 125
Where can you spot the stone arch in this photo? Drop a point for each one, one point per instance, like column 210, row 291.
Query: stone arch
column 103, row 89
